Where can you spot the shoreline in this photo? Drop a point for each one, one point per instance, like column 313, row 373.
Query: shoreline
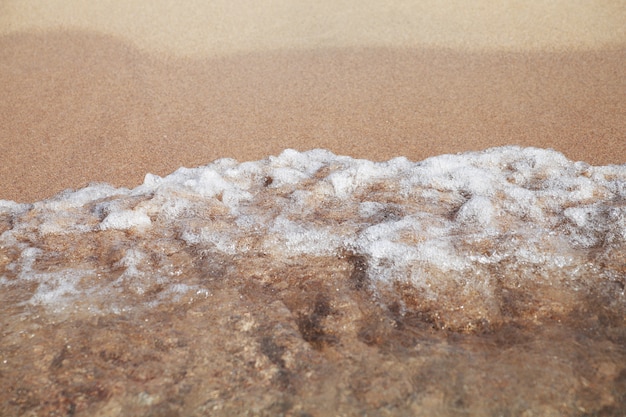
column 93, row 108
column 309, row 283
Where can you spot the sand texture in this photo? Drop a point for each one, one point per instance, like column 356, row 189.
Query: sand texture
column 91, row 94
column 110, row 91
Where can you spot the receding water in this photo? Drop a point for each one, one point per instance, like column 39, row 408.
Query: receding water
column 308, row 284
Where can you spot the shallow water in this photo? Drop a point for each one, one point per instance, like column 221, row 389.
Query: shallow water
column 487, row 283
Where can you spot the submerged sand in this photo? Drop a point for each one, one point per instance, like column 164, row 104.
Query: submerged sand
column 314, row 284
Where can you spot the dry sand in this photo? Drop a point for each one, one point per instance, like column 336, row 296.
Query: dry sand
column 108, row 94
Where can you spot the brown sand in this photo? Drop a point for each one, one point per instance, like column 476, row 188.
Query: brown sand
column 107, row 91
column 80, row 107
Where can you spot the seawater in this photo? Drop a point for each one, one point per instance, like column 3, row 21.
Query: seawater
column 485, row 283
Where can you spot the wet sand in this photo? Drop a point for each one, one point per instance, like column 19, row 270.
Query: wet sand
column 487, row 284
column 109, row 95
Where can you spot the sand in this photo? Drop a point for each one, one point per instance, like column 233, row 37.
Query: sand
column 93, row 93
column 108, row 91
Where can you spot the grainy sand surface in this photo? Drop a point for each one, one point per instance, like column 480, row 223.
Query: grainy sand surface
column 93, row 93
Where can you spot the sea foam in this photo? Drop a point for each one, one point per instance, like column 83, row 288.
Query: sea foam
column 445, row 235
column 314, row 284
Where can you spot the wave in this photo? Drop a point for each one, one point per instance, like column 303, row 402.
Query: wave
column 470, row 244
column 447, row 235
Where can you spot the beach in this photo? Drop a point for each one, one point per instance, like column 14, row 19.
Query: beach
column 93, row 95
column 312, row 209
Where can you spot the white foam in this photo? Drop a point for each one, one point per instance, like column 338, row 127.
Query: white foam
column 57, row 289
column 125, row 219
column 430, row 223
column 477, row 211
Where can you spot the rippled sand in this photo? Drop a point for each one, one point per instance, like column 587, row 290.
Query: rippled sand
column 487, row 283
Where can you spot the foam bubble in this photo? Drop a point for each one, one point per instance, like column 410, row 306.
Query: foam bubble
column 268, row 282
column 125, row 219
column 451, row 226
